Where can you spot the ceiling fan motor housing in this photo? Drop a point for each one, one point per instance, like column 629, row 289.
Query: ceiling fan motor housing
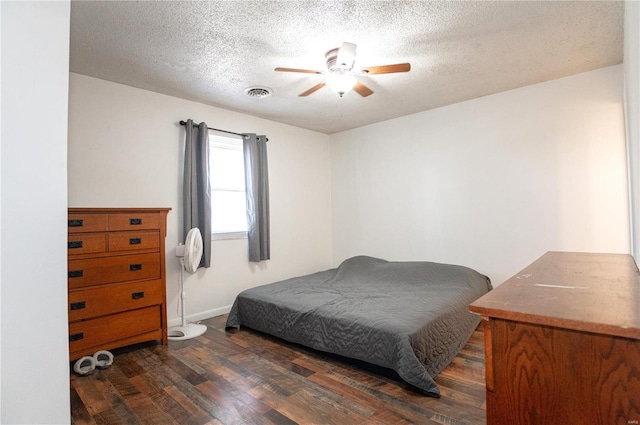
column 341, row 58
column 332, row 59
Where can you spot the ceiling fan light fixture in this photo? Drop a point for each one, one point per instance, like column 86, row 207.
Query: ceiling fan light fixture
column 340, row 73
column 341, row 82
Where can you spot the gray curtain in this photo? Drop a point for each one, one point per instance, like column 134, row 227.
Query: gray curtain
column 196, row 186
column 257, row 187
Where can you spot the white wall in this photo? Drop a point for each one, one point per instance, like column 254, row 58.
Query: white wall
column 35, row 74
column 632, row 114
column 491, row 183
column 125, row 149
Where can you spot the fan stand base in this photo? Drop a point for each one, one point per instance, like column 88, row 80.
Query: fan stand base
column 188, row 331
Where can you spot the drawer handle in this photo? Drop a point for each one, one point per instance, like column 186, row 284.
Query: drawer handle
column 135, row 221
column 137, row 295
column 74, row 244
column 135, row 267
column 76, row 273
column 76, row 337
column 135, row 241
column 79, row 305
column 75, row 223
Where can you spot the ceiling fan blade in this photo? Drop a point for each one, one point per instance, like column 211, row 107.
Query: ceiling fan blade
column 388, row 69
column 312, row 89
column 362, row 90
column 306, row 71
column 346, row 55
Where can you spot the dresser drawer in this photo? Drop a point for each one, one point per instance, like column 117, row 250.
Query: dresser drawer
column 129, row 241
column 107, row 299
column 104, row 330
column 134, row 221
column 122, row 268
column 84, row 222
column 86, row 243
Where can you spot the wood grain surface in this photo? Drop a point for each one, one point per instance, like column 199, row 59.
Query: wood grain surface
column 562, row 342
column 589, row 292
column 546, row 375
column 245, row 377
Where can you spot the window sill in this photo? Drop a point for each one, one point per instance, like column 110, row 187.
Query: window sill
column 228, row 235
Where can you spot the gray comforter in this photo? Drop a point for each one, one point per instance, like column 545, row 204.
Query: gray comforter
column 412, row 317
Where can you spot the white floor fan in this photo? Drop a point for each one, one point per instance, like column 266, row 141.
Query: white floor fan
column 190, row 254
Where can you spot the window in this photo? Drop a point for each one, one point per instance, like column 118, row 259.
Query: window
column 228, row 201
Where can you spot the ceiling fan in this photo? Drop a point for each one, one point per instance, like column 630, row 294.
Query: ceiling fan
column 342, row 75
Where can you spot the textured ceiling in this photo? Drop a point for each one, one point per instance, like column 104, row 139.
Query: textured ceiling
column 211, row 51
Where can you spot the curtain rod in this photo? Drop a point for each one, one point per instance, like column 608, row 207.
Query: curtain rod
column 216, row 129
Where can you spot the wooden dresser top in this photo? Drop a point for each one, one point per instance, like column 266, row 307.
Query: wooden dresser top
column 77, row 210
column 597, row 293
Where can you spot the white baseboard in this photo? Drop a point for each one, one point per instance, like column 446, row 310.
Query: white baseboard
column 201, row 316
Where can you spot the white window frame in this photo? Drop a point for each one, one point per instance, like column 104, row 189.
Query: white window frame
column 219, row 140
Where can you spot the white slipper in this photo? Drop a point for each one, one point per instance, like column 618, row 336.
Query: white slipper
column 103, row 359
column 85, row 366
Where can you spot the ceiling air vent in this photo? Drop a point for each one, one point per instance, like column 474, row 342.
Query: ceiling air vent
column 258, row 92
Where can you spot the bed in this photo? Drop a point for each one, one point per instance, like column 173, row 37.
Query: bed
column 412, row 317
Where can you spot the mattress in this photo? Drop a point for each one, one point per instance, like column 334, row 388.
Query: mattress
column 412, row 317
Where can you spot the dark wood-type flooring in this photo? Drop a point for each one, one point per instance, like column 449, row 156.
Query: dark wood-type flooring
column 245, row 377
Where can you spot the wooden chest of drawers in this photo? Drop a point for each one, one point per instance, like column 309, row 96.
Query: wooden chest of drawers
column 116, row 275
column 562, row 342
